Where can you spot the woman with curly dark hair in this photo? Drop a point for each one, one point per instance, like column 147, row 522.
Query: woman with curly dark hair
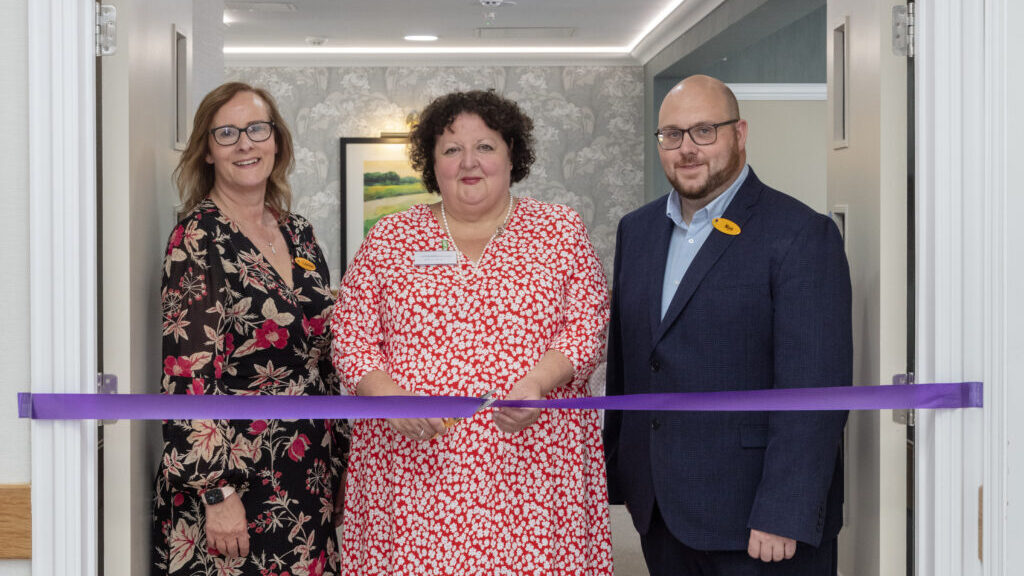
column 482, row 291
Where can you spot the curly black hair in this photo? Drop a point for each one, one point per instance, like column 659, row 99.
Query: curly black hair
column 498, row 113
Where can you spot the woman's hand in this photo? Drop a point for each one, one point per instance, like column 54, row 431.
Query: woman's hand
column 418, row 428
column 378, row 383
column 552, row 370
column 226, row 527
column 339, row 500
column 512, row 420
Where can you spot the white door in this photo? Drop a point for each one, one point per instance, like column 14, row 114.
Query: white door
column 867, row 179
column 138, row 123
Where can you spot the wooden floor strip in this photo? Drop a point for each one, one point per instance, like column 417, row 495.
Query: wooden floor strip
column 15, row 521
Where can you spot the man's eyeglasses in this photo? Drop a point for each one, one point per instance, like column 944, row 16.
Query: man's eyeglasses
column 701, row 134
column 257, row 132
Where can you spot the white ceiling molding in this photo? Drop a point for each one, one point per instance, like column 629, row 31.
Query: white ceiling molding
column 321, row 59
column 682, row 19
column 780, row 91
column 679, row 16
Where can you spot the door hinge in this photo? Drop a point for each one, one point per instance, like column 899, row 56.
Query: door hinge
column 106, row 29
column 106, row 384
column 903, row 30
column 905, row 415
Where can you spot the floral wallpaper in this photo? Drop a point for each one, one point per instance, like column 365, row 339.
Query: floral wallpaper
column 588, row 123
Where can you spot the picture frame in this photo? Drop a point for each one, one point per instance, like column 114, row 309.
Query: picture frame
column 180, row 62
column 377, row 179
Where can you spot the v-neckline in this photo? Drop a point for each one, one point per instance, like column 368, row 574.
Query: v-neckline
column 440, row 231
column 285, row 233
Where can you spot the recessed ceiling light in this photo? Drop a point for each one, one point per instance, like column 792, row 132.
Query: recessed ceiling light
column 421, row 38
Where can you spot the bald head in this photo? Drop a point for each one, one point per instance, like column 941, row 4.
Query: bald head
column 701, row 172
column 706, row 88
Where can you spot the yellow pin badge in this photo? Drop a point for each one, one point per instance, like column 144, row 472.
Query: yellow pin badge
column 726, row 226
column 304, row 264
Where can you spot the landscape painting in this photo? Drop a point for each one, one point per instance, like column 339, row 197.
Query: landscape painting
column 390, row 186
column 376, row 180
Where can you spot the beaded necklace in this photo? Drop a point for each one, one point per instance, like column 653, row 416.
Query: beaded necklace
column 497, row 232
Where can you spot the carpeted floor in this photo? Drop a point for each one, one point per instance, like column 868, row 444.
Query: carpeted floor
column 629, row 560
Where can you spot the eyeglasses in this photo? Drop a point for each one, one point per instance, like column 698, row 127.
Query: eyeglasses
column 701, row 134
column 228, row 135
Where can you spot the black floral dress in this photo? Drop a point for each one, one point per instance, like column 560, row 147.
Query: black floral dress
column 231, row 325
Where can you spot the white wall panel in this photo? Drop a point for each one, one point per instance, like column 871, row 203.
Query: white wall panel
column 786, row 146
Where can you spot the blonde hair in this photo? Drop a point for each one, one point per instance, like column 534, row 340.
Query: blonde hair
column 194, row 176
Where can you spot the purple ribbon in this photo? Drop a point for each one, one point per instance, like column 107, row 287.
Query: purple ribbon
column 184, row 407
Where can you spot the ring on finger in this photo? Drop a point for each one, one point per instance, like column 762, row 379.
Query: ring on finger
column 422, row 432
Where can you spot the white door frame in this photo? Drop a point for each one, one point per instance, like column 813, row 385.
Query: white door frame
column 962, row 61
column 62, row 278
column 962, row 269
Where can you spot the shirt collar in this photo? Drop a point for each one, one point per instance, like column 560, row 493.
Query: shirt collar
column 714, row 209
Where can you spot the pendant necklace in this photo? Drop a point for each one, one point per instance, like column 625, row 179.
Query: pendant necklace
column 238, row 223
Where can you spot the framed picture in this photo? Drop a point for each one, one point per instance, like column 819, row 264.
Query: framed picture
column 376, row 180
column 182, row 86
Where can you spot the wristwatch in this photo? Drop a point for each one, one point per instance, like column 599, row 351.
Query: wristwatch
column 217, row 495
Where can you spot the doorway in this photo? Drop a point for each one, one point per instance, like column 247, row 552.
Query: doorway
column 58, row 457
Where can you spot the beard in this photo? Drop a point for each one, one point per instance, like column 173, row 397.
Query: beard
column 715, row 180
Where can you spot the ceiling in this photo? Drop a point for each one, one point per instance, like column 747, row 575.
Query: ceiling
column 608, row 28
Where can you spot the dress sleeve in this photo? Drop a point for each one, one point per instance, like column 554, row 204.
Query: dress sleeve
column 585, row 308
column 198, row 454
column 356, row 323
column 339, row 428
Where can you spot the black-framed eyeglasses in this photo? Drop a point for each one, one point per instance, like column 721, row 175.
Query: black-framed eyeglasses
column 701, row 134
column 257, row 132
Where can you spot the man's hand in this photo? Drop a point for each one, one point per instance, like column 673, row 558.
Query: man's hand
column 226, row 527
column 769, row 547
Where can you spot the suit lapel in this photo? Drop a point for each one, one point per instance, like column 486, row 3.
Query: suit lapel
column 739, row 211
column 654, row 269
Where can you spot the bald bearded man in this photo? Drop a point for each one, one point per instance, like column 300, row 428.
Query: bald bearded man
column 727, row 284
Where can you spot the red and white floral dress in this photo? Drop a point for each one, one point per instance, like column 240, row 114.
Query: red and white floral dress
column 476, row 500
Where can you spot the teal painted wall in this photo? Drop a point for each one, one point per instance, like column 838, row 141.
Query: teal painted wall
column 741, row 41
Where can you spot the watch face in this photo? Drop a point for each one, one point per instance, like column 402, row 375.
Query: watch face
column 213, row 496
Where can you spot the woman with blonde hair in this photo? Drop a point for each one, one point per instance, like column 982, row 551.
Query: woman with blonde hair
column 245, row 301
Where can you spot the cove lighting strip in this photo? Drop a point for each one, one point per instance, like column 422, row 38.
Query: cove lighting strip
column 295, row 50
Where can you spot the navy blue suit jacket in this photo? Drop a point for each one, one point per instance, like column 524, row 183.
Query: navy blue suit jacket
column 767, row 308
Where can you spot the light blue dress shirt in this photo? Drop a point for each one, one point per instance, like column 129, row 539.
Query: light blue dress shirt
column 687, row 239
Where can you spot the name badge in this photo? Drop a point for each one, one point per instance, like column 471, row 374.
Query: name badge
column 435, row 258
column 305, row 264
column 726, row 226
